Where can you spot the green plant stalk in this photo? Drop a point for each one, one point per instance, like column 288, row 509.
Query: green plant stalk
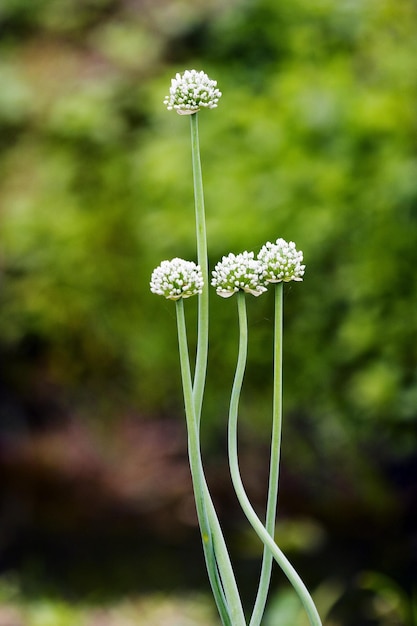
column 220, row 548
column 196, row 467
column 271, row 508
column 250, row 513
column 202, row 257
column 225, row 570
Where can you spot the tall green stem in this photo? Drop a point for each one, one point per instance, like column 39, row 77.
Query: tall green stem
column 224, row 589
column 224, row 565
column 196, row 466
column 271, row 509
column 250, row 513
column 225, row 570
column 203, row 301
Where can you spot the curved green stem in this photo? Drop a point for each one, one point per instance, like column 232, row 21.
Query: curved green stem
column 249, row 511
column 223, row 585
column 203, row 300
column 271, row 508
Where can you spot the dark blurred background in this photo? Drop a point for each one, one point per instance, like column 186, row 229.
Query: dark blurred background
column 314, row 140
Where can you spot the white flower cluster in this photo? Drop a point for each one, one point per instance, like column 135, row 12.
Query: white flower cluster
column 276, row 262
column 240, row 271
column 177, row 279
column 281, row 261
column 191, row 91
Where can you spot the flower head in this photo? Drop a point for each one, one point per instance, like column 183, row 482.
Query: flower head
column 281, row 261
column 238, row 271
column 177, row 279
column 191, row 91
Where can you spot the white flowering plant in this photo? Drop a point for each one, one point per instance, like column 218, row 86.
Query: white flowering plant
column 238, row 272
column 242, row 274
column 177, row 279
column 190, row 91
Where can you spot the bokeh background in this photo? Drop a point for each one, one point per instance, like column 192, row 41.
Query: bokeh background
column 314, row 140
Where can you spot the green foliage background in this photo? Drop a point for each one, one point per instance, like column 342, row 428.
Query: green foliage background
column 314, row 140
